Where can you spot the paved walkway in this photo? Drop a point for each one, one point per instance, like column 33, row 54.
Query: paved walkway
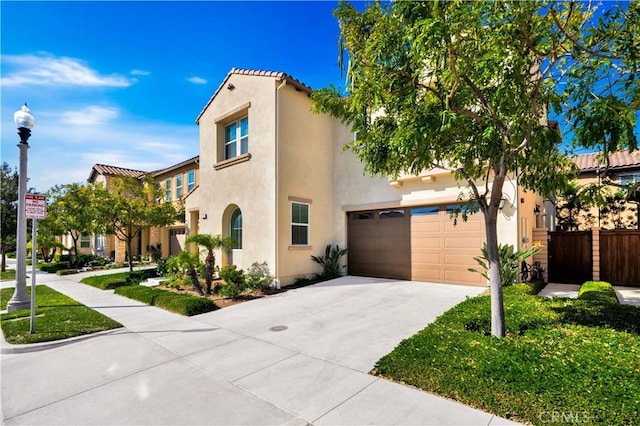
column 626, row 295
column 299, row 357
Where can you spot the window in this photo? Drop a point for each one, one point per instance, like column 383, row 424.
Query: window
column 629, row 178
column 167, row 190
column 85, row 241
column 361, row 215
column 236, row 138
column 299, row 224
column 179, row 186
column 235, row 229
column 191, row 180
column 423, row 211
column 385, row 214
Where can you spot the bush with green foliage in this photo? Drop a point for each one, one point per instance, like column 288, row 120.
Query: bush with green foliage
column 330, row 261
column 185, row 264
column 510, row 260
column 561, row 355
column 161, row 266
column 53, row 267
column 119, row 279
column 183, row 304
column 234, row 281
column 66, row 272
column 598, row 291
column 259, row 276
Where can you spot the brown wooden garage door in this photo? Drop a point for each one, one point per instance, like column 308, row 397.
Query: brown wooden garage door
column 421, row 244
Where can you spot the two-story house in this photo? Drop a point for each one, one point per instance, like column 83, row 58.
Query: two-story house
column 275, row 178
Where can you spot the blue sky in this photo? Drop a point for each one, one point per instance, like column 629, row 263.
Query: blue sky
column 122, row 83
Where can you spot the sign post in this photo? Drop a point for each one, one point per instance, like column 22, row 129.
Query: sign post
column 35, row 208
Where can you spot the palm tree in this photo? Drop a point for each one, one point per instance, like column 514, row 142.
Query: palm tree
column 185, row 263
column 210, row 243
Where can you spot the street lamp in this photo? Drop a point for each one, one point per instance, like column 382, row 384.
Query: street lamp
column 24, row 122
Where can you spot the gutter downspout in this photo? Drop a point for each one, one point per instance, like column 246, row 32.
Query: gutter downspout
column 277, row 183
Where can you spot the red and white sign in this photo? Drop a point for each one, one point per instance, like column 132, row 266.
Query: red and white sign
column 35, row 206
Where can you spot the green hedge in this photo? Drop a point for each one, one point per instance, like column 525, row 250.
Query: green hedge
column 66, row 272
column 183, row 304
column 559, row 356
column 120, row 279
column 54, row 267
column 598, row 291
column 530, row 288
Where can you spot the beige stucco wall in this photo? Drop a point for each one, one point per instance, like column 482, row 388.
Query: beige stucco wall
column 248, row 185
column 305, row 174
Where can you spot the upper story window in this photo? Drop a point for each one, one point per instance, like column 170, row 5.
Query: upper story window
column 191, row 180
column 85, row 241
column 179, row 186
column 236, row 138
column 167, row 190
column 299, row 224
column 629, row 178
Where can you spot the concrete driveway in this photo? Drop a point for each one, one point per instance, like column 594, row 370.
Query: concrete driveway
column 300, row 357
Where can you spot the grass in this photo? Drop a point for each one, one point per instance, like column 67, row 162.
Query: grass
column 561, row 355
column 8, row 275
column 57, row 317
column 183, row 304
column 120, row 279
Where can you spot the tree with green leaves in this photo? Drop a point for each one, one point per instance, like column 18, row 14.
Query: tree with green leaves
column 210, row 243
column 130, row 205
column 467, row 86
column 8, row 209
column 70, row 211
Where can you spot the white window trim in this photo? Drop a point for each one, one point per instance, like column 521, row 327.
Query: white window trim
column 308, row 224
column 191, row 185
column 237, row 140
column 179, row 192
column 168, row 195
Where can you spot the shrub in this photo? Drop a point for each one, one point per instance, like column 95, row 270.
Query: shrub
column 234, row 281
column 54, row 266
column 531, row 288
column 330, row 261
column 61, row 257
column 161, row 266
column 66, row 272
column 598, row 291
column 259, row 276
column 183, row 304
column 509, row 261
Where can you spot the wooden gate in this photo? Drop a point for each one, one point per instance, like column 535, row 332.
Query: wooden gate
column 570, row 259
column 620, row 257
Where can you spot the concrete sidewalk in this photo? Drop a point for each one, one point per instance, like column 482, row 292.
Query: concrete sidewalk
column 299, row 357
column 626, row 295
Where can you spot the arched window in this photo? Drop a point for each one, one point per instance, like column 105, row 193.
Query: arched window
column 235, row 228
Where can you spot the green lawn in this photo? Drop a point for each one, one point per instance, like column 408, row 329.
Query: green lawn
column 119, row 279
column 579, row 358
column 57, row 317
column 8, row 275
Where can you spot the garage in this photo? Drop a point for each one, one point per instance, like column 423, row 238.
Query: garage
column 417, row 243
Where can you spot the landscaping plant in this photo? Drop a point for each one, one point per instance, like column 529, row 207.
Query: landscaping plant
column 210, row 243
column 509, row 261
column 330, row 261
column 259, row 276
column 234, row 281
column 185, row 264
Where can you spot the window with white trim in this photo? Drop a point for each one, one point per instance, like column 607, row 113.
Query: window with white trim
column 191, row 180
column 167, row 190
column 235, row 229
column 236, row 138
column 629, row 178
column 179, row 186
column 300, row 224
column 85, row 241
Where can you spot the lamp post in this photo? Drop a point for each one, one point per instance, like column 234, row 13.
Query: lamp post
column 24, row 122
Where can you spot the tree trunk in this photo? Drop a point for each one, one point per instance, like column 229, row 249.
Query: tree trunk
column 3, row 267
column 208, row 271
column 493, row 259
column 129, row 241
column 193, row 275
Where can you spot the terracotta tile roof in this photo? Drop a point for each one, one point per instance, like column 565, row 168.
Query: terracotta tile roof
column 195, row 160
column 617, row 161
column 274, row 74
column 104, row 169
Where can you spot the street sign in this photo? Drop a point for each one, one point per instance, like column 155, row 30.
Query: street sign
column 35, row 206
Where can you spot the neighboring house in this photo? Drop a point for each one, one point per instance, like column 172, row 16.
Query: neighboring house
column 177, row 181
column 623, row 169
column 276, row 179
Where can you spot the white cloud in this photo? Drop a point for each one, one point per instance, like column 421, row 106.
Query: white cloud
column 49, row 70
column 197, row 80
column 139, row 72
column 90, row 116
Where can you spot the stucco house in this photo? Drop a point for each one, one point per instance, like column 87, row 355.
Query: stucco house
column 178, row 181
column 274, row 176
column 623, row 170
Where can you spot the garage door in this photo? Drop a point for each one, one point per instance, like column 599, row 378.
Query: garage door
column 421, row 244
